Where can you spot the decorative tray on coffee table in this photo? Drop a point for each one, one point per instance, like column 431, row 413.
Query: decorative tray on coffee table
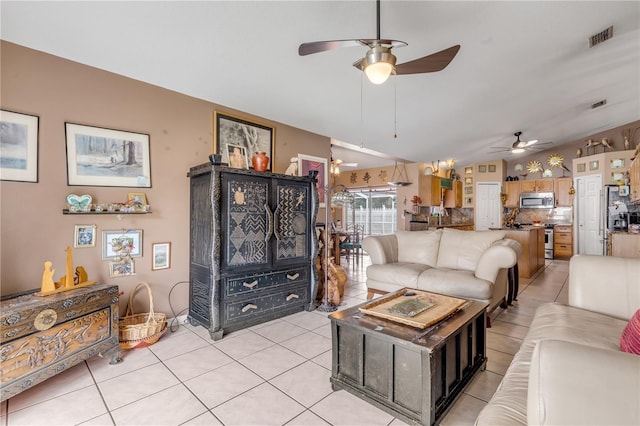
column 416, row 308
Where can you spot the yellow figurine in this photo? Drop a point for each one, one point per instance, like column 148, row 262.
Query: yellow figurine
column 67, row 282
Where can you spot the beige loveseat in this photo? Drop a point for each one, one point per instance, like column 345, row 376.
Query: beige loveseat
column 569, row 369
column 467, row 264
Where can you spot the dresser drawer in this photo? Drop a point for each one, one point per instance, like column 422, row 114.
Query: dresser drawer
column 249, row 283
column 562, row 238
column 248, row 308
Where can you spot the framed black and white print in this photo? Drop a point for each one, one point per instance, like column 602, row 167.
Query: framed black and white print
column 18, row 146
column 244, row 135
column 106, row 157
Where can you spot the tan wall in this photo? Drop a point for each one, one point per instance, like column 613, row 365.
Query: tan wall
column 181, row 133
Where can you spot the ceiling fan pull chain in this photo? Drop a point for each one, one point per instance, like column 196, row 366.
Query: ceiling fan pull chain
column 395, row 108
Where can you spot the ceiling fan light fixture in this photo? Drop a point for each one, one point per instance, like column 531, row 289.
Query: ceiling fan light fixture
column 517, row 150
column 378, row 64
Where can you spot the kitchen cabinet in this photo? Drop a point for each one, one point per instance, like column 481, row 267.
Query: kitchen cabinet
column 430, row 190
column 536, row 185
column 625, row 244
column 562, row 242
column 512, row 191
column 252, row 245
column 562, row 186
column 634, row 181
column 453, row 197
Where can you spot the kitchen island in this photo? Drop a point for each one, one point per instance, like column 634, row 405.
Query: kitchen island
column 532, row 240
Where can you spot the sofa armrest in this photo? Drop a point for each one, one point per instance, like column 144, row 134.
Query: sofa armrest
column 381, row 248
column 581, row 385
column 501, row 254
column 605, row 284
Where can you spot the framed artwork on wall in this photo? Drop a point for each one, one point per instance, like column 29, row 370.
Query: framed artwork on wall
column 492, row 168
column 581, row 167
column 116, row 243
column 248, row 136
column 105, row 157
column 594, row 165
column 18, row 147
column 468, row 170
column 161, row 256
column 123, row 268
column 482, row 168
column 307, row 163
column 617, row 163
column 468, row 181
column 84, row 236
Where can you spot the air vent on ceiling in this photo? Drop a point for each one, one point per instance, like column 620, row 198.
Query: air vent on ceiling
column 601, row 37
column 599, row 104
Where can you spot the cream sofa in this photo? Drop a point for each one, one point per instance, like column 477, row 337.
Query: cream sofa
column 467, row 264
column 569, row 369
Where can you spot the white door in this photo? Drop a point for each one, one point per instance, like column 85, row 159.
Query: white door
column 588, row 215
column 487, row 206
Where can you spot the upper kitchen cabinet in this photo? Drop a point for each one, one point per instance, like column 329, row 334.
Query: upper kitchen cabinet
column 537, row 185
column 512, row 191
column 453, row 197
column 562, row 188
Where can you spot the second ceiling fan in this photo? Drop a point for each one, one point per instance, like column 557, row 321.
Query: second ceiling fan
column 379, row 63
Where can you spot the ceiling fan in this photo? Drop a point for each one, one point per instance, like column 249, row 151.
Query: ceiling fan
column 378, row 63
column 522, row 146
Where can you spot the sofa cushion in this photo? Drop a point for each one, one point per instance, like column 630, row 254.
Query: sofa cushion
column 462, row 249
column 419, row 246
column 455, row 283
column 630, row 339
column 402, row 273
column 551, row 321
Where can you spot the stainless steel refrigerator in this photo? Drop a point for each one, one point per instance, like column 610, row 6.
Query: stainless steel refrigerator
column 616, row 212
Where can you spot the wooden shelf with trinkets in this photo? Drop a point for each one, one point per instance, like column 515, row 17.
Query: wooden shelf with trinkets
column 66, row 211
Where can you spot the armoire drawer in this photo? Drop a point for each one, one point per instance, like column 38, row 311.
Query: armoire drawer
column 248, row 308
column 251, row 283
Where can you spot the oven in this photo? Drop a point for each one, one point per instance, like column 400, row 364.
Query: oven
column 548, row 242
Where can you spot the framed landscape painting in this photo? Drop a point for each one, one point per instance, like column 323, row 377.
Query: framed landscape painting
column 106, row 157
column 18, row 147
column 243, row 137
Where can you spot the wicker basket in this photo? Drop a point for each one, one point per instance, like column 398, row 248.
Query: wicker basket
column 136, row 329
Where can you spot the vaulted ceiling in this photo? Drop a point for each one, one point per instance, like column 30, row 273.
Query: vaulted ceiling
column 522, row 65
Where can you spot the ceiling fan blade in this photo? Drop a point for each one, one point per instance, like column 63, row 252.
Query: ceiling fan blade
column 323, row 46
column 349, row 164
column 432, row 63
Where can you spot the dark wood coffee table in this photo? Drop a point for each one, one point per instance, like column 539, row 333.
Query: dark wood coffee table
column 414, row 374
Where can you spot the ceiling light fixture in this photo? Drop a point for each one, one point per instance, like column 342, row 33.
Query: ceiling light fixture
column 378, row 64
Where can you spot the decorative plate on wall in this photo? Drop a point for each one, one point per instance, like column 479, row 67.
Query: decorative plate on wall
column 555, row 160
column 534, row 166
column 518, row 167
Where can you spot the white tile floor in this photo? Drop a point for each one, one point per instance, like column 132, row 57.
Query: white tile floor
column 275, row 373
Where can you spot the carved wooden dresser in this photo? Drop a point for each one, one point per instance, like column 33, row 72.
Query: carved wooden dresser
column 43, row 336
column 252, row 244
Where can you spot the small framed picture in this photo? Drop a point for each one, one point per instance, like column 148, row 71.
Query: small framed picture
column 19, row 147
column 121, row 269
column 468, row 189
column 617, row 177
column 138, row 197
column 84, row 236
column 468, row 170
column 237, row 156
column 594, row 165
column 623, row 191
column 468, row 200
column 492, row 168
column 581, row 167
column 617, row 163
column 468, row 181
column 161, row 256
column 482, row 168
column 116, row 243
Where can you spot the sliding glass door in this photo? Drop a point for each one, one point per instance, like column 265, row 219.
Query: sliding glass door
column 374, row 211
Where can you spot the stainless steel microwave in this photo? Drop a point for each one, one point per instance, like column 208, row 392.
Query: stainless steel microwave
column 537, row 200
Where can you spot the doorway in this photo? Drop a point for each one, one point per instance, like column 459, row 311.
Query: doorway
column 488, row 206
column 589, row 236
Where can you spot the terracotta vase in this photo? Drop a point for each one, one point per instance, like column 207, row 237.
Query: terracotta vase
column 260, row 161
